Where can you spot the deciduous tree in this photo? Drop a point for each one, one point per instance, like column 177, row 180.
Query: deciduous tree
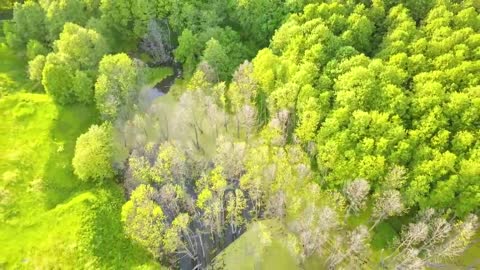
column 115, row 89
column 93, row 154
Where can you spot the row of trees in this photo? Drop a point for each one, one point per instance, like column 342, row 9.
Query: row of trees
column 65, row 40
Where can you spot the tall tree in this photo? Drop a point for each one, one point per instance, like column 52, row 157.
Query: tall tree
column 116, row 84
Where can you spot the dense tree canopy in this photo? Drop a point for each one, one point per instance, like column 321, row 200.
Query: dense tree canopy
column 69, row 70
column 370, row 108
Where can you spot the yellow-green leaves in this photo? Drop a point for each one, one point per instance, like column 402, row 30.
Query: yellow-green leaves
column 204, row 196
column 143, row 219
column 93, row 154
column 116, row 85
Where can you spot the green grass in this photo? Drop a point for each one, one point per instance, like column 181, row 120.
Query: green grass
column 471, row 258
column 49, row 219
column 260, row 247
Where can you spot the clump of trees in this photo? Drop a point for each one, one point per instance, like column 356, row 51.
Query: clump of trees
column 431, row 240
column 202, row 186
column 69, row 72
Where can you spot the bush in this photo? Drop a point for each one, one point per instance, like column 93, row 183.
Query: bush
column 57, row 79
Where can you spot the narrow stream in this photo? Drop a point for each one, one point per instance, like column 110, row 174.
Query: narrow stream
column 164, row 85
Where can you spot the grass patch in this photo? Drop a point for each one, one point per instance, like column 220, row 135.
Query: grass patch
column 262, row 246
column 49, row 218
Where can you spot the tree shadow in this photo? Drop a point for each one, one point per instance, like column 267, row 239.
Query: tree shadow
column 59, row 181
column 102, row 228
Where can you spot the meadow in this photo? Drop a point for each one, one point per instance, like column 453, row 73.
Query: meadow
column 49, row 219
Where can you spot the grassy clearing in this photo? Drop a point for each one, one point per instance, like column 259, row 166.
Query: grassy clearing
column 48, row 218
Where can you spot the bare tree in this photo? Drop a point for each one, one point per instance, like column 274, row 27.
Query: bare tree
column 395, row 178
column 243, row 79
column 357, row 193
column 236, row 205
column 351, row 250
column 170, row 197
column 182, row 240
column 432, row 240
column 276, row 205
column 231, row 156
column 156, row 42
column 314, row 227
column 211, row 75
column 458, row 240
column 247, row 120
column 280, row 122
column 389, row 203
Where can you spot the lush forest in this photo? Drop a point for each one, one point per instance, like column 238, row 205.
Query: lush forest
column 239, row 134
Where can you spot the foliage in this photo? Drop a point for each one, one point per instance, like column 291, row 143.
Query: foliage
column 187, row 51
column 67, row 74
column 83, row 47
column 131, row 20
column 116, row 85
column 259, row 19
column 372, row 108
column 216, row 57
column 59, row 13
column 35, row 68
column 93, row 154
column 35, row 48
column 29, row 23
column 143, row 218
column 57, row 78
column 349, row 142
